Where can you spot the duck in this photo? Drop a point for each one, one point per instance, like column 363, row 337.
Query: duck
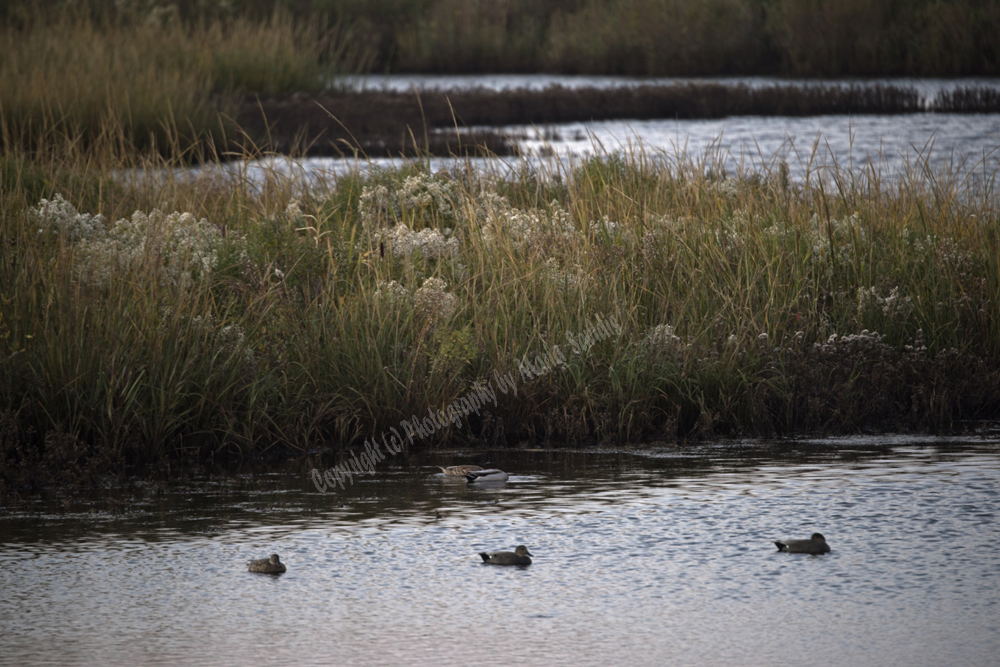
column 459, row 471
column 272, row 565
column 488, row 475
column 518, row 556
column 816, row 544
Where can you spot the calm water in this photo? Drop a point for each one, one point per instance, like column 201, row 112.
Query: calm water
column 644, row 557
column 959, row 148
column 965, row 147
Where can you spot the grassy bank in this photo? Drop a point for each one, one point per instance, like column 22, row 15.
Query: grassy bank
column 169, row 317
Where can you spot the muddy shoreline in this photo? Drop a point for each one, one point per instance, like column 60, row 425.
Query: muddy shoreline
column 379, row 123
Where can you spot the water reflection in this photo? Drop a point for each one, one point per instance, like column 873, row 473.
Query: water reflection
column 641, row 557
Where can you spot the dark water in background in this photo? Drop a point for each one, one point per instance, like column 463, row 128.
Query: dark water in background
column 645, row 557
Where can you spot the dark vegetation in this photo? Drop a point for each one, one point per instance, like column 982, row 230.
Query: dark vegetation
column 813, row 38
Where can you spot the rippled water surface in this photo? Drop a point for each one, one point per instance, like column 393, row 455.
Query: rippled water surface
column 644, row 557
column 962, row 149
column 948, row 148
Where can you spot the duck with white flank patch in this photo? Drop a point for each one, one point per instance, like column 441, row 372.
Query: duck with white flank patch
column 272, row 565
column 814, row 545
column 488, row 475
column 458, row 471
column 518, row 556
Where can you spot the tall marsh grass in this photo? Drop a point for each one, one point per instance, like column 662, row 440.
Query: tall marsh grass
column 163, row 315
column 160, row 84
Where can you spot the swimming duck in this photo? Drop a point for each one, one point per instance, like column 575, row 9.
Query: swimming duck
column 270, row 565
column 458, row 471
column 517, row 557
column 488, row 475
column 814, row 545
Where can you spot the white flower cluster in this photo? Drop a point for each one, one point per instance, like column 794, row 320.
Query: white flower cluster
column 662, row 338
column 433, row 302
column 651, row 243
column 489, row 205
column 393, row 294
column 604, row 225
column 61, row 217
column 525, row 228
column 294, row 212
column 846, row 237
column 379, row 205
column 945, row 252
column 864, row 340
column 431, row 243
column 731, row 233
column 895, row 304
column 177, row 247
column 724, row 187
column 376, row 205
column 423, row 191
column 575, row 279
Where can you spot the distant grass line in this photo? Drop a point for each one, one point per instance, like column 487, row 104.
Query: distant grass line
column 213, row 315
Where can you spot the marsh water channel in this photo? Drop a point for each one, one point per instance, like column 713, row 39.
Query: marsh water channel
column 649, row 556
column 944, row 148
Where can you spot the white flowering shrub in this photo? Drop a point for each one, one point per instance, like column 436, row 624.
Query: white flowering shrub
column 841, row 241
column 866, row 340
column 433, row 302
column 177, row 247
column 894, row 305
column 488, row 205
column 528, row 228
column 731, row 234
column 727, row 188
column 662, row 338
column 421, row 194
column 941, row 251
column 430, row 243
column 604, row 226
column 571, row 279
column 393, row 294
column 377, row 206
column 61, row 217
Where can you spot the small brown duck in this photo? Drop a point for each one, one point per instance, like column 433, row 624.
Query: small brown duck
column 458, row 471
column 814, row 545
column 517, row 557
column 272, row 565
